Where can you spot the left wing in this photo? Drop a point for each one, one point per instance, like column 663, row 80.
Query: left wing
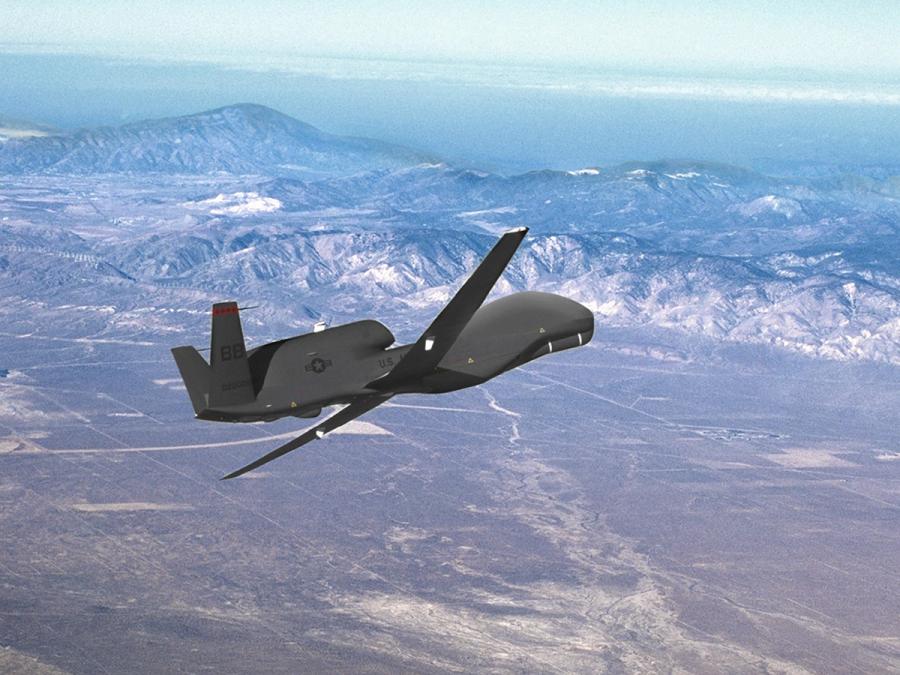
column 340, row 418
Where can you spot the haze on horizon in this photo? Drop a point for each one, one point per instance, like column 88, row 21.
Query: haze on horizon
column 800, row 37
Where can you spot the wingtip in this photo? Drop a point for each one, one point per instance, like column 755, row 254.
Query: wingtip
column 516, row 230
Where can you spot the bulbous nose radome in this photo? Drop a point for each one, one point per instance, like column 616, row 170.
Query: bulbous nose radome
column 575, row 327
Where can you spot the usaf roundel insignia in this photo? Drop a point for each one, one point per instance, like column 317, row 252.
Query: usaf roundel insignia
column 318, row 365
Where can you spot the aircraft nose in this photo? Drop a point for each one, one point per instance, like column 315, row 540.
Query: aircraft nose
column 578, row 327
column 584, row 323
column 579, row 320
column 569, row 323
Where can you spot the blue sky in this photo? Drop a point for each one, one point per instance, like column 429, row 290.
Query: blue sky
column 796, row 39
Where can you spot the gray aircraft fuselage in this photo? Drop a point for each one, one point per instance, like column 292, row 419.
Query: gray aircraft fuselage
column 299, row 376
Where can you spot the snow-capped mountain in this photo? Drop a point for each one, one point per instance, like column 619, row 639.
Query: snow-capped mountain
column 807, row 264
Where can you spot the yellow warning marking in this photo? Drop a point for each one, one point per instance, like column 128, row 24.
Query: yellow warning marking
column 293, row 404
column 471, row 360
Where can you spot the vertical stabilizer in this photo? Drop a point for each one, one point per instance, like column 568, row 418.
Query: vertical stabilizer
column 195, row 374
column 230, row 382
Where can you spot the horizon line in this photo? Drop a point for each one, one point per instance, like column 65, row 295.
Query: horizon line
column 612, row 80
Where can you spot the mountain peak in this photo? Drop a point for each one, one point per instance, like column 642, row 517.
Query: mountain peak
column 248, row 112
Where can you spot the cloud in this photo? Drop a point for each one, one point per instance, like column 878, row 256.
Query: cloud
column 555, row 78
column 597, row 82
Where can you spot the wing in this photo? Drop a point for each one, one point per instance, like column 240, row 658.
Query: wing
column 436, row 341
column 340, row 418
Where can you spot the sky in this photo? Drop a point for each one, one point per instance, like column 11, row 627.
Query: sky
column 800, row 38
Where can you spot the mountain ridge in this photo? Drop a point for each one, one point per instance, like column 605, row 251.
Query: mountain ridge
column 244, row 138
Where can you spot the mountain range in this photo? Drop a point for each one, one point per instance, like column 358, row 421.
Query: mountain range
column 159, row 218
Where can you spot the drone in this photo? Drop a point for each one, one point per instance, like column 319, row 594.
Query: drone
column 358, row 365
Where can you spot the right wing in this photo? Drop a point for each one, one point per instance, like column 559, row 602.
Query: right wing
column 439, row 337
column 340, row 418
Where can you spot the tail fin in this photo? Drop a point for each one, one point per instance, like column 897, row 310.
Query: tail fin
column 230, row 383
column 195, row 373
